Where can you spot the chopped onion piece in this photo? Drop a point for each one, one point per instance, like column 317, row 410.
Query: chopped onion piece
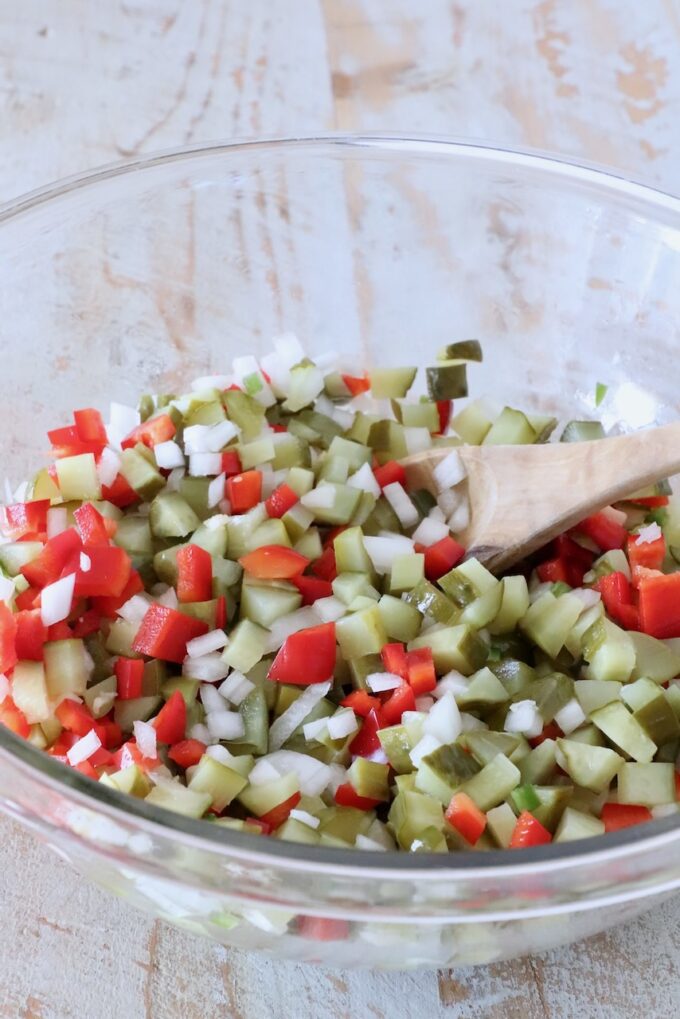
column 570, row 717
column 449, row 472
column 436, row 513
column 219, row 520
column 338, row 777
column 460, row 518
column 208, row 668
column 263, row 771
column 312, row 729
column 145, row 735
column 449, row 501
column 85, row 563
column 342, row 724
column 365, row 480
column 330, row 609
column 401, row 504
column 199, row 385
column 211, row 700
column 135, row 608
column 56, row 600
column 169, row 598
column 225, row 725
column 236, row 688
column 220, row 435
column 216, row 490
column 379, row 681
column 363, row 842
column 523, row 717
column 305, row 818
column 429, row 532
column 203, row 465
column 83, row 748
column 220, row 754
column 57, row 521
column 423, row 747
column 174, row 478
column 286, row 724
column 195, row 439
column 417, row 440
column 616, row 516
column 168, row 455
column 201, row 732
column 382, row 550
column 453, row 681
column 650, row 533
column 587, row 596
column 443, row 720
column 664, row 810
column 213, row 641
column 122, row 420
column 4, row 687
column 21, row 492
column 281, row 628
column 6, row 588
column 312, row 775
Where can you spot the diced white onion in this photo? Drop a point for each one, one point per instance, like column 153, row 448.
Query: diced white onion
column 453, row 681
column 305, row 818
column 225, row 725
column 174, row 478
column 21, row 491
column 417, row 440
column 262, row 772
column 281, row 628
column 587, row 596
column 664, row 810
column 650, row 533
column 284, row 726
column 207, row 642
column 423, row 747
column 5, row 688
column 220, row 754
column 380, row 681
column 211, row 699
column 145, row 735
column 616, row 516
column 523, row 717
column 6, row 588
column 570, row 717
column 401, row 504
column 363, row 842
column 122, row 420
column 85, row 563
column 436, row 513
column 337, row 777
column 134, row 609
column 460, row 518
column 168, row 455
column 321, row 497
column 313, row 729
column 330, row 609
column 195, row 439
column 219, row 520
column 220, row 435
column 203, row 465
column 449, row 472
column 216, row 491
column 204, row 382
column 236, row 688
column 449, row 501
column 382, row 551
column 200, row 732
column 208, row 668
column 247, row 365
column 429, row 532
column 443, row 720
column 288, row 348
column 168, row 599
column 342, row 724
column 84, row 748
column 9, row 491
column 56, row 600
column 364, row 479
column 57, row 520
column 312, row 775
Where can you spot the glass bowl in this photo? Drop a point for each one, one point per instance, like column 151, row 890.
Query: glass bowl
column 144, row 275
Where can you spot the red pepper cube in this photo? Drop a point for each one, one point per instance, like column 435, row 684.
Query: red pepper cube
column 616, row 816
column 421, row 673
column 171, row 721
column 244, row 491
column 25, row 517
column 14, row 719
column 8, row 633
column 466, row 818
column 75, row 717
column 553, row 571
column 366, row 741
column 528, row 832
column 280, row 813
column 151, row 432
column 442, row 557
column 356, row 384
column 312, row 588
column 605, row 532
column 306, row 657
column 325, row 566
column 649, row 554
column 129, row 674
column 194, row 574
column 91, row 526
column 361, row 702
column 231, row 463
column 90, row 426
column 402, row 699
column 119, row 493
column 281, row 500
column 390, row 472
column 57, row 552
column 347, row 796
column 274, row 562
column 31, row 635
column 107, row 574
column 164, row 633
column 444, row 410
column 187, row 752
column 659, row 604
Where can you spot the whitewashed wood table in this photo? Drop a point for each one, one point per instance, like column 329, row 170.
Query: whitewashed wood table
column 86, row 83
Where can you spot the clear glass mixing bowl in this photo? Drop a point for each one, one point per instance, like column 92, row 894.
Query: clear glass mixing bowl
column 141, row 276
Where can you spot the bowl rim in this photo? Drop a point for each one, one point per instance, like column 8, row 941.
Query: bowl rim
column 426, row 866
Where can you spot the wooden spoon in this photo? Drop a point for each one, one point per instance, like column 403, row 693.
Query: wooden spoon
column 521, row 497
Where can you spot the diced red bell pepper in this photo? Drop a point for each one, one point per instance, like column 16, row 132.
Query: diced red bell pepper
column 361, row 702
column 466, row 818
column 553, row 571
column 421, row 673
column 164, row 633
column 187, row 752
column 23, row 517
column 402, row 699
column 659, row 604
column 244, row 491
column 281, row 500
column 605, row 532
column 28, row 599
column 108, row 606
column 278, row 814
column 550, row 731
column 129, row 753
column 649, row 554
column 108, row 573
column 129, row 674
column 8, row 633
column 221, row 613
column 86, row 767
column 528, row 832
column 110, row 733
column 231, row 463
column 651, row 501
column 59, row 631
column 356, row 385
column 616, row 816
column 442, row 557
column 617, row 597
column 312, row 588
column 347, row 796
column 67, row 442
column 677, row 784
column 89, row 622
column 75, row 717
column 194, row 574
column 306, row 657
column 151, row 432
column 257, row 822
column 14, row 719
column 57, row 552
column 274, row 562
column 90, row 426
column 120, row 493
column 319, row 928
column 31, row 635
column 390, row 472
column 564, row 547
column 366, row 741
column 171, row 721
column 444, row 410
column 91, row 526
column 325, row 566
column 394, row 659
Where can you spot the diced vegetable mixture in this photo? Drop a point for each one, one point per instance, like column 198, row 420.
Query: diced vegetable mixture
column 230, row 604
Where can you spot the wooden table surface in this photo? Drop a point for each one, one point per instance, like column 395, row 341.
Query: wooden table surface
column 86, row 83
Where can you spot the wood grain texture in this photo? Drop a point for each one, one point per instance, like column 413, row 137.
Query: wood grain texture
column 82, row 84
